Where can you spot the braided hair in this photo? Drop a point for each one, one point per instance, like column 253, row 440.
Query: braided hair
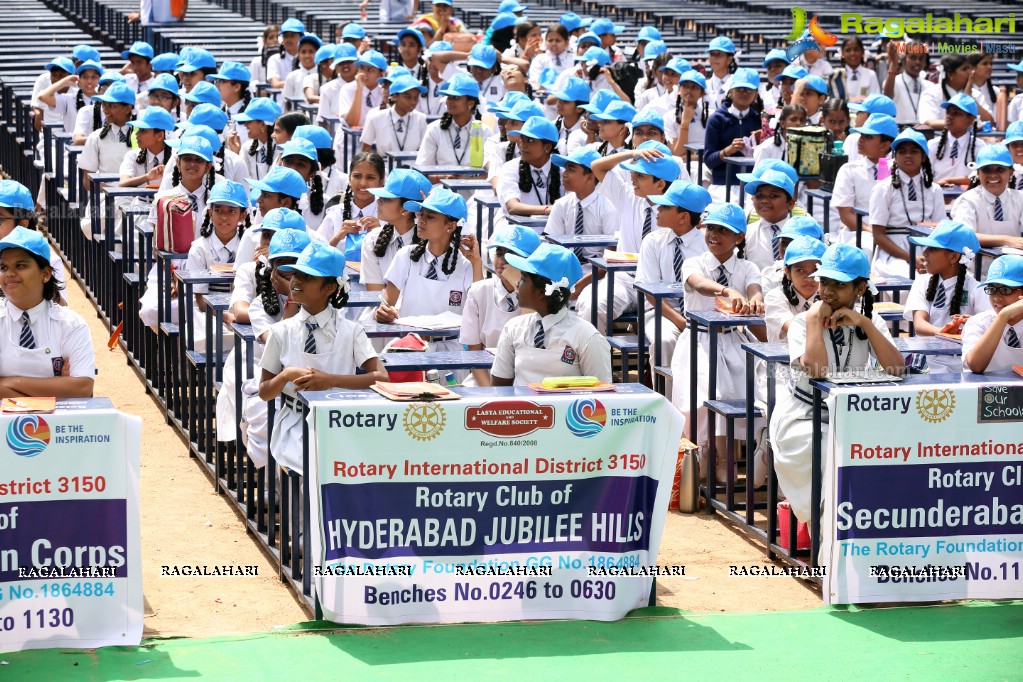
column 447, row 119
column 971, row 149
column 254, row 145
column 141, row 158
column 526, row 181
column 786, row 111
column 957, row 294
column 867, row 310
column 704, row 110
column 265, row 290
column 949, row 63
column 348, row 197
column 740, row 250
column 925, row 170
column 509, row 153
column 339, row 299
column 450, row 254
column 555, row 301
column 655, row 66
column 385, row 237
column 97, row 113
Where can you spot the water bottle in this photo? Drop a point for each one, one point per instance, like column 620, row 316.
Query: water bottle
column 476, row 144
column 433, row 376
column 689, row 480
column 450, row 379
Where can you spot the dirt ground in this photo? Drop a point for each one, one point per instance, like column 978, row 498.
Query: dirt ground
column 184, row 522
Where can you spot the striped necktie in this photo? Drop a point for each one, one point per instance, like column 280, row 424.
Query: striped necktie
column 432, row 272
column 999, row 213
column 580, row 228
column 539, row 182
column 29, row 341
column 557, row 60
column 401, row 126
column 874, row 171
column 538, row 339
column 310, row 340
column 954, row 153
column 121, row 136
column 854, row 76
column 677, row 260
column 1011, row 338
column 509, row 303
column 912, row 189
column 399, row 242
column 648, row 220
column 940, row 298
column 775, row 242
column 262, row 153
column 806, row 305
column 838, row 337
column 369, row 100
column 722, row 276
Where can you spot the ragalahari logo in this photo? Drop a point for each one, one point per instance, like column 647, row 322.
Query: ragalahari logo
column 805, row 38
column 28, row 436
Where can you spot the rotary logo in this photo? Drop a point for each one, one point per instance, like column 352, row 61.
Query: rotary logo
column 935, row 405
column 586, row 418
column 424, row 421
column 28, row 436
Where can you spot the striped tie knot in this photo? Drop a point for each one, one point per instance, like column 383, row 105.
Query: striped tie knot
column 954, row 153
column 1012, row 338
column 912, row 189
column 677, row 259
column 648, row 220
column 310, row 340
column 940, row 298
column 775, row 242
column 838, row 337
column 27, row 340
column 431, row 273
column 999, row 212
column 399, row 242
column 538, row 338
column 722, row 276
column 509, row 303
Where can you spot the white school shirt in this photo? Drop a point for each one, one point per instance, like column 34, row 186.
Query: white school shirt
column 1004, row 357
column 983, row 97
column 759, row 245
column 438, row 145
column 1015, row 107
column 946, row 167
column 599, row 217
column 631, row 212
column 432, row 103
column 492, row 89
column 279, row 67
column 332, row 326
column 258, row 164
column 104, row 155
column 697, row 128
column 486, row 312
column 648, row 95
column 930, row 102
column 974, row 300
column 59, row 332
column 83, row 120
column 769, row 150
column 565, row 134
column 741, row 275
column 42, row 82
column 544, row 60
column 402, row 267
column 584, row 350
column 334, row 216
column 243, row 288
column 374, row 267
column 208, row 251
column 131, row 168
column 495, row 154
column 891, row 207
column 976, row 209
column 822, row 67
column 770, row 96
column 346, row 97
column 778, row 311
column 865, row 84
column 65, row 108
column 717, row 90
column 330, row 92
column 577, row 138
column 138, row 86
column 657, row 257
column 853, row 184
column 312, row 81
column 508, row 185
column 294, row 84
column 381, row 129
column 909, row 94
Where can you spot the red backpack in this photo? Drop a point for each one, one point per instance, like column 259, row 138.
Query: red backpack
column 175, row 224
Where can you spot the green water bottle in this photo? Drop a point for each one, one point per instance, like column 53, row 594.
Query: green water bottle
column 476, row 144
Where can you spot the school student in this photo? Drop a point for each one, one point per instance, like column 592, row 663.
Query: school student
column 550, row 341
column 811, row 92
column 432, row 103
column 529, row 186
column 195, row 64
column 258, row 121
column 300, row 155
column 856, row 179
column 163, row 93
column 982, row 89
column 315, row 350
column 484, row 66
column 773, row 199
column 906, row 82
column 324, row 72
column 104, row 148
column 569, row 102
column 687, row 118
column 140, row 74
column 776, row 146
column 281, row 64
column 593, row 67
column 399, row 224
column 355, row 214
column 45, row 348
column 728, row 126
column 63, row 103
column 146, row 165
column 17, row 209
column 613, row 127
column 797, row 226
column 835, row 118
column 797, row 290
column 280, row 188
column 956, row 73
column 227, row 211
column 993, row 209
column 232, row 82
column 853, row 82
column 294, row 83
column 908, row 197
column 400, row 127
column 721, row 58
column 814, row 63
column 500, row 149
column 582, row 209
column 330, row 92
column 957, row 146
column 875, row 104
column 365, row 93
column 447, row 140
column 770, row 90
column 244, row 287
column 832, row 336
column 557, row 55
column 1015, row 109
column 1014, row 141
column 991, row 339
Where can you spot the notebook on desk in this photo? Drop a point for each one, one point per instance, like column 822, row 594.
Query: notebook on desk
column 862, row 377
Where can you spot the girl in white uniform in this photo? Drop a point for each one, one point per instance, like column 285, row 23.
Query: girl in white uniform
column 821, row 342
column 908, row 197
column 301, row 156
column 399, row 224
column 721, row 271
column 400, row 127
column 18, row 209
column 551, row 342
column 45, row 348
column 773, row 198
column 992, row 339
column 568, row 104
column 258, row 121
column 281, row 64
column 280, row 188
column 294, row 83
column 950, row 293
column 433, row 276
column 243, row 289
column 104, row 148
column 70, row 94
column 315, row 350
column 798, row 290
column 164, row 93
column 146, row 164
column 447, row 140
column 492, row 302
column 530, row 185
column 347, row 222
column 773, row 275
column 956, row 148
column 993, row 209
column 856, row 179
column 685, row 121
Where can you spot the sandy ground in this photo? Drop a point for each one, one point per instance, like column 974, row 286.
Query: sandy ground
column 184, row 522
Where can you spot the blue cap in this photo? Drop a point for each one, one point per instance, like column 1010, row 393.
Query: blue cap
column 775, row 55
column 772, row 178
column 319, row 137
column 119, row 92
column 461, row 85
column 13, row 194
column 653, row 49
column 204, row 92
column 522, row 111
column 599, row 100
column 663, row 168
column 441, row 200
column 298, row 146
column 62, row 63
column 403, row 183
column 109, row 77
column 649, row 117
column 684, row 194
column 139, row 48
column 648, row 33
column 411, row 32
column 325, row 53
column 165, row 81
column 993, row 155
column 910, row 135
column 616, row 111
column 521, row 241
column 879, row 124
column 439, row 46
column 293, row 26
column 154, row 118
column 603, row 27
column 402, row 84
column 165, row 61
column 232, row 71
column 693, row 76
column 721, row 44
column 207, row 115
column 288, row 243
column 594, row 54
column 504, row 20
column 552, row 262
column 951, row 235
column 441, row 2
column 843, row 263
column 1014, row 133
column 194, row 145
column 793, row 71
column 770, row 164
column 571, row 21
column 509, row 100
column 728, row 216
column 30, row 240
column 372, row 58
column 86, row 53
column 311, row 38
column 678, row 65
column 745, row 78
column 89, row 65
column 260, row 109
column 800, row 226
column 318, row 260
column 588, row 37
column 875, row 104
column 1005, row 270
column 511, row 6
column 802, row 249
column 484, row 56
column 205, row 132
column 575, row 89
column 353, row 31
column 962, row 101
column 584, row 156
column 195, row 58
column 817, row 84
column 345, row 52
column 282, row 219
column 537, row 128
column 229, row 192
column 280, row 180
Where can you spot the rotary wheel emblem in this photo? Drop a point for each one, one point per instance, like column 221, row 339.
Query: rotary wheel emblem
column 424, row 421
column 935, row 405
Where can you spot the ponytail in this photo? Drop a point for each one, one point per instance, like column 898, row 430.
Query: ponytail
column 867, row 310
column 451, row 254
column 957, row 293
column 789, row 290
column 316, row 193
column 339, row 299
column 264, row 288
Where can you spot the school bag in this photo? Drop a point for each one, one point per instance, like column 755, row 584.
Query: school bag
column 805, row 146
column 410, row 343
column 175, row 224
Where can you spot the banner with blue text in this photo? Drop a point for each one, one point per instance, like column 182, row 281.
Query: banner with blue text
column 490, row 508
column 923, row 494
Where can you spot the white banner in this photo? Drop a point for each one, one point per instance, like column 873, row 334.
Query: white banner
column 489, row 508
column 70, row 564
column 923, row 494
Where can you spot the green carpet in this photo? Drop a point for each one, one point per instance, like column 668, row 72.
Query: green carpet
column 976, row 641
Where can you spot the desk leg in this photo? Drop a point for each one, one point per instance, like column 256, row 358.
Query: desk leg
column 859, row 231
column 693, row 331
column 912, row 267
column 827, row 216
column 750, row 436
column 593, row 294
column 641, row 335
column 815, row 480
column 772, row 483
column 610, row 312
